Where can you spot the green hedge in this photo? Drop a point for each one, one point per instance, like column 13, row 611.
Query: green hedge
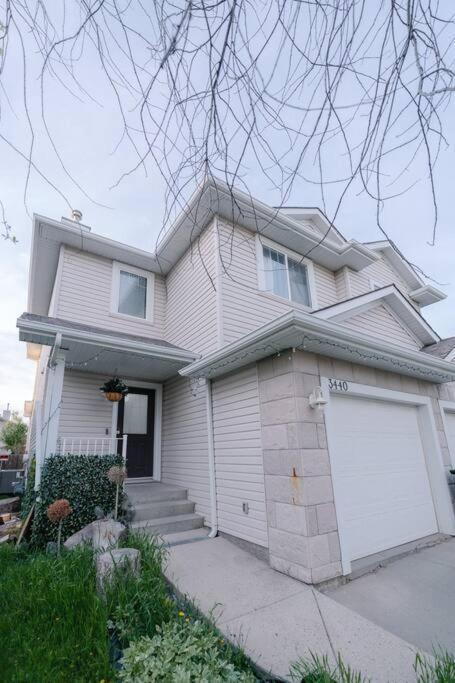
column 82, row 480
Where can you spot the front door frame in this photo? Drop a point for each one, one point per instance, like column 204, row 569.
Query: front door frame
column 157, row 426
column 447, row 407
column 431, row 448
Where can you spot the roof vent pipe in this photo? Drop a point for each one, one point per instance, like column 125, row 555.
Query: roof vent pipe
column 76, row 215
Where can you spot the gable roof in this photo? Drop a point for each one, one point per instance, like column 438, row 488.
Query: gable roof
column 390, row 295
column 442, row 349
column 421, row 293
column 212, row 198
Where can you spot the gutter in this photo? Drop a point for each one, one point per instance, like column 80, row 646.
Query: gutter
column 211, row 455
column 300, row 323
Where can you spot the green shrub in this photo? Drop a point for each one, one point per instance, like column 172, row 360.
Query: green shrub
column 82, row 480
column 53, row 623
column 179, row 652
column 136, row 606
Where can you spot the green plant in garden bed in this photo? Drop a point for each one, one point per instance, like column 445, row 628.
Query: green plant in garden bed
column 439, row 669
column 136, row 606
column 316, row 669
column 53, row 623
column 83, row 481
column 180, row 651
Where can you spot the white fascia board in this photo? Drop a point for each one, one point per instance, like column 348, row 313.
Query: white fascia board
column 390, row 295
column 301, row 330
column 48, row 331
column 427, row 295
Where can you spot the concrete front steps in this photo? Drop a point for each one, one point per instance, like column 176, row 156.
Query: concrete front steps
column 161, row 508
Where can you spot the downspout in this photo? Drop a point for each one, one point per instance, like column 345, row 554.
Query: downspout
column 211, row 455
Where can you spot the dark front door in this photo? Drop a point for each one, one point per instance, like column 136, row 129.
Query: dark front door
column 136, row 419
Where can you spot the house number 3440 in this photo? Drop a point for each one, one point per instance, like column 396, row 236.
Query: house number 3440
column 338, row 385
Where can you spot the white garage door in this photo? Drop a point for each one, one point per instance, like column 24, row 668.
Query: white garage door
column 450, row 431
column 381, row 481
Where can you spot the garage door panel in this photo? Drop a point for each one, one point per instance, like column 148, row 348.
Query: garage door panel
column 379, row 536
column 382, row 485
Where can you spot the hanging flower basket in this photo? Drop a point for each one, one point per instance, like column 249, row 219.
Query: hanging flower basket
column 114, row 389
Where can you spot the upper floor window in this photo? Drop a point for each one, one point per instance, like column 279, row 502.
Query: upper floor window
column 285, row 276
column 132, row 292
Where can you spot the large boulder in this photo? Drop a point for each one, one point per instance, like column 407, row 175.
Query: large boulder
column 102, row 534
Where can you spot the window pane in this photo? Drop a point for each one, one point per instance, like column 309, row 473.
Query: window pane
column 276, row 279
column 135, row 414
column 132, row 294
column 298, row 279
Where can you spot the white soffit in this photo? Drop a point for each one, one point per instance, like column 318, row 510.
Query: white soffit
column 395, row 300
column 427, row 295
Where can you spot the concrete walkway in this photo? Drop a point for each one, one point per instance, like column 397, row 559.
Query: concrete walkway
column 277, row 619
column 413, row 597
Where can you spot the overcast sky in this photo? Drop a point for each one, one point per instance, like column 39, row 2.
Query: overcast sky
column 87, row 133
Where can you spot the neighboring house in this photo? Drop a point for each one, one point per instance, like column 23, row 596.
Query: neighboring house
column 232, row 337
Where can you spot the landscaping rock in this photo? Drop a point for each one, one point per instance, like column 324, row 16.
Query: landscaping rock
column 106, row 533
column 84, row 535
column 102, row 533
column 118, row 558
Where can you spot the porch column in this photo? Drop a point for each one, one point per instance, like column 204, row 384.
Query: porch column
column 302, row 525
column 52, row 404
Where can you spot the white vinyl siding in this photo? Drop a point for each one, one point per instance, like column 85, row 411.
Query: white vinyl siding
column 382, row 324
column 341, row 284
column 238, row 456
column 326, row 291
column 85, row 296
column 84, row 412
column 244, row 306
column 38, row 394
column 381, row 273
column 184, row 441
column 191, row 316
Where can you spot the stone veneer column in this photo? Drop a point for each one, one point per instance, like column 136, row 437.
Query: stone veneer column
column 303, row 536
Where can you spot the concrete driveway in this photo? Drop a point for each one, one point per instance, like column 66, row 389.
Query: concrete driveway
column 413, row 597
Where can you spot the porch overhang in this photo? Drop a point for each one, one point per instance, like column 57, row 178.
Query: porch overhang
column 92, row 349
column 303, row 331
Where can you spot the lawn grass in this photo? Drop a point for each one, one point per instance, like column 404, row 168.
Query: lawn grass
column 52, row 622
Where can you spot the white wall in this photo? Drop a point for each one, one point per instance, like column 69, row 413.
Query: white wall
column 383, row 325
column 84, row 412
column 184, row 442
column 382, row 273
column 191, row 315
column 238, row 456
column 85, row 296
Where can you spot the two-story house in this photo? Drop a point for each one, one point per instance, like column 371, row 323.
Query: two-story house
column 279, row 375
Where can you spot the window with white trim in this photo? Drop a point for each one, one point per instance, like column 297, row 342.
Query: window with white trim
column 285, row 276
column 132, row 292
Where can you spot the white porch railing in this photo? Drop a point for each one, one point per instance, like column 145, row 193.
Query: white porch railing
column 91, row 445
